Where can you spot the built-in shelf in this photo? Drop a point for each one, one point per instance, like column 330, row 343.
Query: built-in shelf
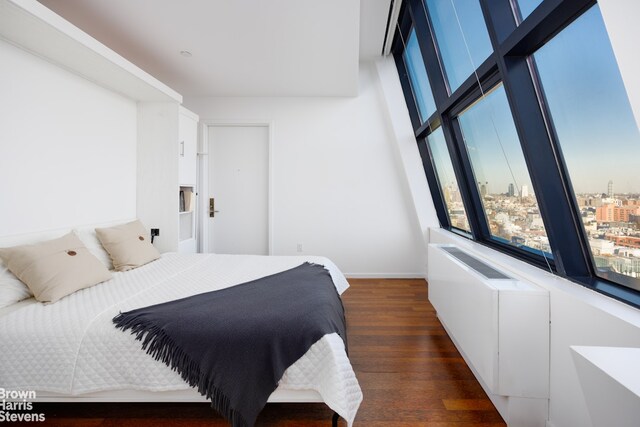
column 187, row 219
column 186, row 199
column 33, row 27
column 186, row 226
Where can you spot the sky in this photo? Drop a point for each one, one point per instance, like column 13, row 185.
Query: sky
column 460, row 55
column 418, row 75
column 589, row 106
column 583, row 90
column 493, row 145
column 527, row 6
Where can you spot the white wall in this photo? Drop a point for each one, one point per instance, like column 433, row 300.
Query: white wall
column 67, row 148
column 405, row 141
column 157, row 173
column 624, row 34
column 338, row 187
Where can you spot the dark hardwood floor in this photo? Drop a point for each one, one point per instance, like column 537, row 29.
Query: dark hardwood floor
column 410, row 372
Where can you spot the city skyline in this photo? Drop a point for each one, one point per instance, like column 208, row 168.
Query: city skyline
column 611, row 224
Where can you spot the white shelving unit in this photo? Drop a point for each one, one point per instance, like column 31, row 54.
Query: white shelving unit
column 187, row 164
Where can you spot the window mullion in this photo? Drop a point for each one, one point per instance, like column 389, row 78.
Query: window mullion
column 544, row 23
column 407, row 90
column 466, row 181
column 500, row 22
column 432, row 181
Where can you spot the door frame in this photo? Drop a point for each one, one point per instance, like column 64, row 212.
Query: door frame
column 203, row 177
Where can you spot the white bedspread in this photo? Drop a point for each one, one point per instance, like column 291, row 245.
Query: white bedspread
column 72, row 347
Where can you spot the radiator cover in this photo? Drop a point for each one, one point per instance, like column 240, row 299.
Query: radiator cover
column 500, row 324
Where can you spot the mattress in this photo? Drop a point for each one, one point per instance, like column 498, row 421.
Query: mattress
column 72, row 347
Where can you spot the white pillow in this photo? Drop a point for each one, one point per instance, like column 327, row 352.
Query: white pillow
column 12, row 289
column 90, row 240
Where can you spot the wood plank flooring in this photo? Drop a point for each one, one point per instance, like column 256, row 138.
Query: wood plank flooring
column 410, row 372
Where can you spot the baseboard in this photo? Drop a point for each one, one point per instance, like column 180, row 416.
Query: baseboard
column 384, row 275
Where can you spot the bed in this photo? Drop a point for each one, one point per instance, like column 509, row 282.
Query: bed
column 71, row 351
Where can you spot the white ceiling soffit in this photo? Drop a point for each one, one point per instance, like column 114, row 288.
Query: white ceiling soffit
column 373, row 26
column 239, row 47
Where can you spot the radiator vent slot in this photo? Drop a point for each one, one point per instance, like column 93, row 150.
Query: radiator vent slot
column 474, row 263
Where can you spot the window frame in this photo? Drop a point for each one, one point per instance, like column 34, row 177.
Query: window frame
column 511, row 63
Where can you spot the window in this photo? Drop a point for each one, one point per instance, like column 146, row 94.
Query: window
column 418, row 78
column 526, row 7
column 447, row 180
column 500, row 172
column 461, row 37
column 539, row 132
column 599, row 140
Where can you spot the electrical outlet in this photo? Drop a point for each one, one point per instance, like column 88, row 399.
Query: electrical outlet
column 155, row 231
column 299, row 247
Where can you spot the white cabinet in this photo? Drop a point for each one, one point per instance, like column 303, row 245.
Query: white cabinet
column 500, row 325
column 187, row 147
column 187, row 165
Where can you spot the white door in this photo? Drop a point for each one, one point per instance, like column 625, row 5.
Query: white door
column 239, row 186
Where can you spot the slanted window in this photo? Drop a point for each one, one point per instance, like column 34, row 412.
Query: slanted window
column 600, row 142
column 418, row 78
column 500, row 173
column 531, row 146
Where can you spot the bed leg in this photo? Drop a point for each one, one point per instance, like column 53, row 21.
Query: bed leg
column 334, row 420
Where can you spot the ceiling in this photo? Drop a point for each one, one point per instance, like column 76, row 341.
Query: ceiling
column 239, row 47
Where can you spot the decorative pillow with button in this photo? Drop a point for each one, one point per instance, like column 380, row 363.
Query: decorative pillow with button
column 129, row 245
column 55, row 268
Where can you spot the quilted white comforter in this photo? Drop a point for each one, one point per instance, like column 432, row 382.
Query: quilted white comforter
column 72, row 347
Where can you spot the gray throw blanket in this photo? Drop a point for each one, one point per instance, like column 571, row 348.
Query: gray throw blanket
column 234, row 344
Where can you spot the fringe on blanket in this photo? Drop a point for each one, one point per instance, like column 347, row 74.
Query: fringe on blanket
column 159, row 345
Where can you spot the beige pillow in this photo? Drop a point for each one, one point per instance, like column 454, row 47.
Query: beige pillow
column 55, row 268
column 129, row 245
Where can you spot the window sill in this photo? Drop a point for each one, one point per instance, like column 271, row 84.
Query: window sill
column 543, row 278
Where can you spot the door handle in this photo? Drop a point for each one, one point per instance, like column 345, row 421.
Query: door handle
column 212, row 209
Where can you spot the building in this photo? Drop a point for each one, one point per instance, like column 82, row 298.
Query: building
column 610, row 189
column 627, row 241
column 602, row 247
column 614, row 213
